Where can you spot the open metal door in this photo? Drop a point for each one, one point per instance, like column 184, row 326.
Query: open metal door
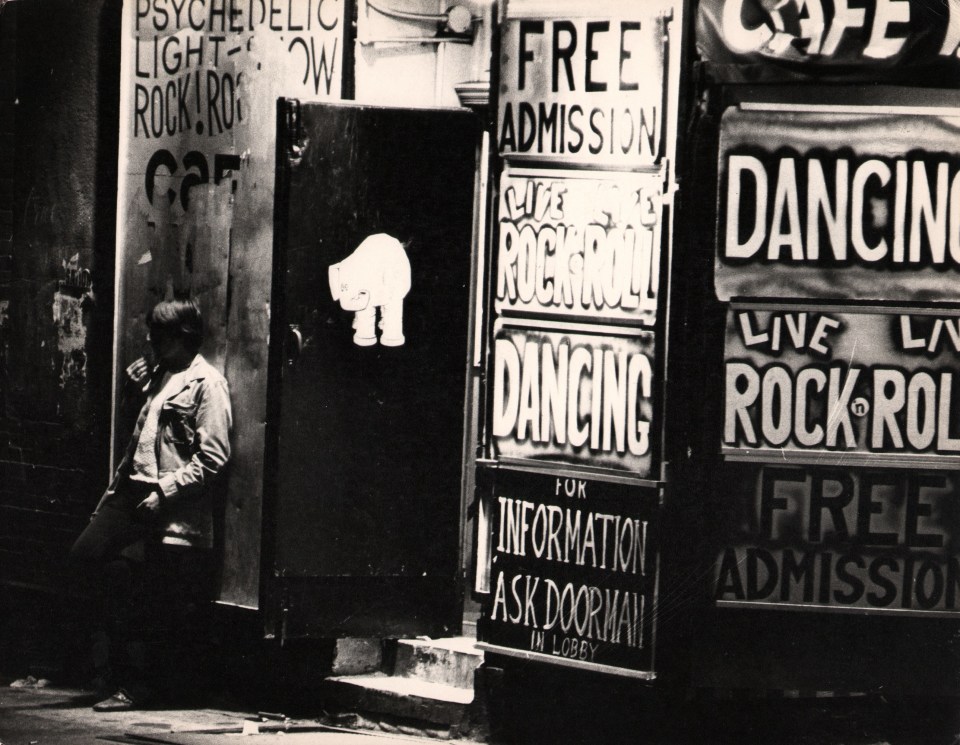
column 374, row 217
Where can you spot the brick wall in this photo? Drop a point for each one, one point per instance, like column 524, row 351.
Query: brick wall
column 8, row 66
column 57, row 194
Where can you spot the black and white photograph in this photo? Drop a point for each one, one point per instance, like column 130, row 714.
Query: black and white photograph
column 483, row 371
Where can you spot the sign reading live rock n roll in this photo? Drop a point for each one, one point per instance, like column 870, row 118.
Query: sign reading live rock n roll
column 843, row 538
column 839, row 204
column 829, row 33
column 586, row 84
column 574, row 398
column 573, row 570
column 579, row 244
column 842, row 385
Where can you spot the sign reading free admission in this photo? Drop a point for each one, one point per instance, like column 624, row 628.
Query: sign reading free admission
column 840, row 538
column 573, row 572
column 832, row 385
column 586, row 82
column 839, row 203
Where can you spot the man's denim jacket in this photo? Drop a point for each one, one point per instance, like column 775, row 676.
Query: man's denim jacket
column 193, row 446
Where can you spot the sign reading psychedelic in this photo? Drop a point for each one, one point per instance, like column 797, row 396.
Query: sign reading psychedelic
column 839, row 204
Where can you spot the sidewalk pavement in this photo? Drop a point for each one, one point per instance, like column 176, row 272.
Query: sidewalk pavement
column 57, row 716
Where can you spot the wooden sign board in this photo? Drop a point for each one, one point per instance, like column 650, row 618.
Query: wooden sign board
column 574, row 573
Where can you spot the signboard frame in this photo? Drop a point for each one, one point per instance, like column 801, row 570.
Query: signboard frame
column 854, row 540
column 881, row 466
column 667, row 17
column 813, row 311
column 513, row 478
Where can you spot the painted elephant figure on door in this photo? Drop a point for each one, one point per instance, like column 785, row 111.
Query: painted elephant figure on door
column 375, row 275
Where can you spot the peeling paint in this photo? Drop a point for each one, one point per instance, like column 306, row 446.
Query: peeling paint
column 75, row 278
column 71, row 335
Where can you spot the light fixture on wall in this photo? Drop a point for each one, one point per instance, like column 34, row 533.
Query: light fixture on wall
column 459, row 20
column 456, row 24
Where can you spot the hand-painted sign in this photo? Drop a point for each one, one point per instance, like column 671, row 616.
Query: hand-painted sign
column 198, row 70
column 573, row 572
column 199, row 83
column 856, row 203
column 842, row 539
column 579, row 244
column 586, row 89
column 842, row 385
column 825, row 34
column 586, row 132
column 574, row 396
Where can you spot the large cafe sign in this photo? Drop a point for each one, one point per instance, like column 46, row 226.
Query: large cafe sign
column 850, row 37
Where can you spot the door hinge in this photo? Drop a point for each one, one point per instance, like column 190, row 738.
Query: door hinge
column 293, row 127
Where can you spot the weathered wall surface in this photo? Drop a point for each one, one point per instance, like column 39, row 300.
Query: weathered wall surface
column 58, row 113
column 208, row 141
column 199, row 85
column 406, row 58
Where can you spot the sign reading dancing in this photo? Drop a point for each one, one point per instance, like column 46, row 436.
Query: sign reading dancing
column 839, row 204
column 574, row 398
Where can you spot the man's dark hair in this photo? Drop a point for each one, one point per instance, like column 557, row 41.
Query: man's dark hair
column 178, row 318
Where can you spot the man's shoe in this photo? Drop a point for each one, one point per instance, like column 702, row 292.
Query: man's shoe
column 119, row 701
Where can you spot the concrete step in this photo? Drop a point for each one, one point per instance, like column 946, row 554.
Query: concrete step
column 401, row 697
column 450, row 662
